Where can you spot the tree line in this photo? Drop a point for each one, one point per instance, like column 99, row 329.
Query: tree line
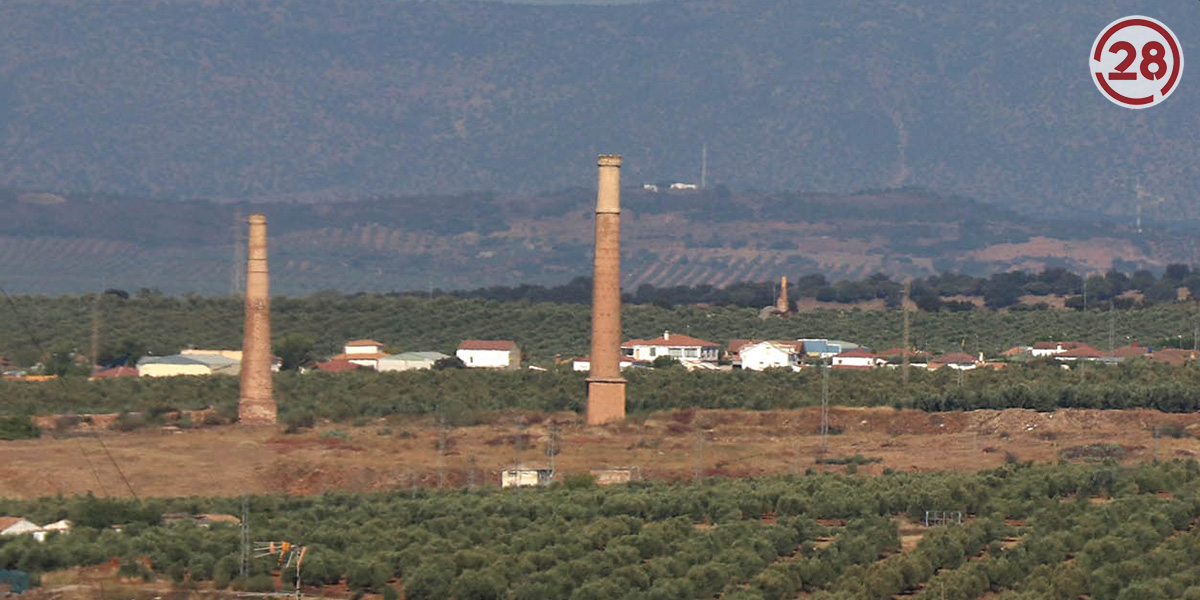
column 999, row 290
column 467, row 397
column 58, row 331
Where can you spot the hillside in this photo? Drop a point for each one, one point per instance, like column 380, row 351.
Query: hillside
column 78, row 243
column 325, row 100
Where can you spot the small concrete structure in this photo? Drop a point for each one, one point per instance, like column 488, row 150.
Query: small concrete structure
column 616, row 475
column 525, row 477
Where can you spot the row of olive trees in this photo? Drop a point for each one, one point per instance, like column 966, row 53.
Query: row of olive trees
column 827, row 535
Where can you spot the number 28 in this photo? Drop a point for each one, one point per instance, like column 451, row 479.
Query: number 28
column 1153, row 54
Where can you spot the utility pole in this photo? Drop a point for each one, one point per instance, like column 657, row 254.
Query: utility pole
column 96, row 333
column 552, row 446
column 824, row 409
column 698, row 470
column 471, row 473
column 245, row 527
column 907, row 325
column 441, row 445
column 704, row 166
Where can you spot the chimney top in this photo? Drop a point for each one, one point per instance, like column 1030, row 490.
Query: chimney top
column 666, row 335
column 258, row 218
column 609, row 160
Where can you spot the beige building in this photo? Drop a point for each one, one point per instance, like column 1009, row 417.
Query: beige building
column 193, row 362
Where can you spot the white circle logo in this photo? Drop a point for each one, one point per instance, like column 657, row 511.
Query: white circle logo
column 1136, row 62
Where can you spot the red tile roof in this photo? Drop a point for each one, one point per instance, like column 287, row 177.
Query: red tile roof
column 363, row 343
column 736, row 344
column 360, row 356
column 6, row 522
column 1131, row 350
column 955, row 358
column 337, row 366
column 1175, row 356
column 857, row 353
column 1081, row 351
column 674, row 340
column 901, row 352
column 487, row 345
column 115, row 372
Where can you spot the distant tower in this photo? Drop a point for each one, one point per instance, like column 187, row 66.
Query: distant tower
column 257, row 404
column 606, row 387
column 781, row 303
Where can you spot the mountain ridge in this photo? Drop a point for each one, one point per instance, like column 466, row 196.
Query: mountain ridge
column 326, row 100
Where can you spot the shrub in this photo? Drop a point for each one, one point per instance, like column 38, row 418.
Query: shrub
column 18, row 428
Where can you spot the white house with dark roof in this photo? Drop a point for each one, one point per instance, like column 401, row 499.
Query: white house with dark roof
column 489, row 354
column 683, row 348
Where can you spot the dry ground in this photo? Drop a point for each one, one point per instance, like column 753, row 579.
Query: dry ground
column 399, row 453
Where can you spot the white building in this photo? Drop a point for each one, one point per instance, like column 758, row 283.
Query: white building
column 585, row 363
column 826, row 348
column 769, row 354
column 857, row 359
column 19, row 526
column 364, row 353
column 1041, row 349
column 489, row 354
column 684, row 186
column 410, row 361
column 959, row 361
column 680, row 347
column 525, row 477
column 62, row 527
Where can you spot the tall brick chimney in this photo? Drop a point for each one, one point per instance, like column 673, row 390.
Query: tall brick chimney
column 606, row 387
column 257, row 403
column 781, row 303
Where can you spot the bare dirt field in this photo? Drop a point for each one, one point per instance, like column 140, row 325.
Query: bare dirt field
column 680, row 445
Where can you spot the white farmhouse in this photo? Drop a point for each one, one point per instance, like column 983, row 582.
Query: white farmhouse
column 19, row 526
column 768, row 354
column 857, row 359
column 680, row 347
column 489, row 354
column 364, row 353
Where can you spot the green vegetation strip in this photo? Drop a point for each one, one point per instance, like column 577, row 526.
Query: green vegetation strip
column 162, row 325
column 1031, row 532
column 467, row 397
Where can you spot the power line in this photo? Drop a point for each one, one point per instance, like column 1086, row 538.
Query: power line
column 67, row 393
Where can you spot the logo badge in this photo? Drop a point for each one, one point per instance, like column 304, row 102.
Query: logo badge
column 1136, row 62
